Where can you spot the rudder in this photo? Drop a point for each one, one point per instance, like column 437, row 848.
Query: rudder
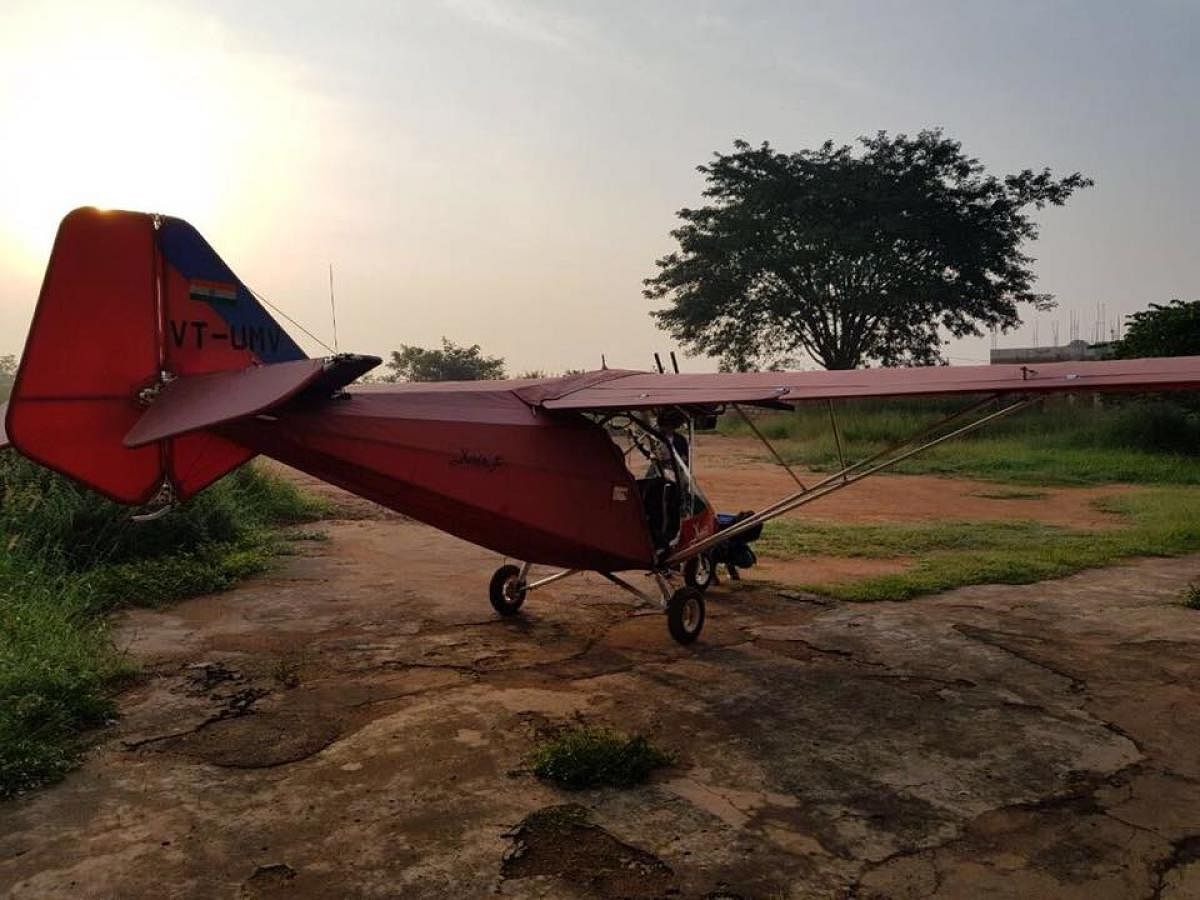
column 128, row 300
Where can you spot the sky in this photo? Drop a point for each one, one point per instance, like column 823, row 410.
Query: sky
column 506, row 173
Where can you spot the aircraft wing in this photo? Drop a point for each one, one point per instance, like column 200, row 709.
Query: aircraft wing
column 642, row 390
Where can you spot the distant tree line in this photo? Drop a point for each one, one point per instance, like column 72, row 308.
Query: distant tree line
column 451, row 363
column 1165, row 329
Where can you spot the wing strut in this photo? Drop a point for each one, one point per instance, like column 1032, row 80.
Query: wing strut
column 771, row 447
column 884, row 459
column 837, row 438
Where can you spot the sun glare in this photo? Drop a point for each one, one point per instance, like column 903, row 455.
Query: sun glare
column 137, row 111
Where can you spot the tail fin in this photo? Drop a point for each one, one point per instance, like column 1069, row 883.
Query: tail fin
column 129, row 300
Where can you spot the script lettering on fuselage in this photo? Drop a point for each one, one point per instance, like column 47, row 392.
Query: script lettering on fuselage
column 489, row 461
column 196, row 334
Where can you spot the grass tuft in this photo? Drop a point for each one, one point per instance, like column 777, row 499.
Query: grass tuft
column 586, row 756
column 1191, row 596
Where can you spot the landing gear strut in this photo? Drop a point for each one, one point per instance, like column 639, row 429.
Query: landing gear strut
column 684, row 607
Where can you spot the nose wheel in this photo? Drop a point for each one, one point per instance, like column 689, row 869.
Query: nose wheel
column 507, row 590
column 685, row 614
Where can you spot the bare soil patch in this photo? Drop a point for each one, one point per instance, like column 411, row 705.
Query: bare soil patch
column 736, row 475
column 560, row 844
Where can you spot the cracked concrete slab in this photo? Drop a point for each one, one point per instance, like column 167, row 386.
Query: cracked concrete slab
column 357, row 724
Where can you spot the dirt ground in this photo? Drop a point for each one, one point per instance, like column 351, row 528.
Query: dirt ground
column 356, row 725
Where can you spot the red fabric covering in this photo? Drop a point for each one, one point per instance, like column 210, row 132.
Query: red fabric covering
column 189, row 326
column 195, row 459
column 96, row 341
column 641, row 390
column 193, row 402
column 476, row 461
column 92, row 345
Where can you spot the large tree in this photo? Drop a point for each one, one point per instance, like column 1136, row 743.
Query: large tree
column 852, row 255
column 451, row 363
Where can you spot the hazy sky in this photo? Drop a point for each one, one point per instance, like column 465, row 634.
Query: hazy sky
column 505, row 173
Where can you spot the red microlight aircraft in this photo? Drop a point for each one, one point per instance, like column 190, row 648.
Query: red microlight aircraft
column 151, row 370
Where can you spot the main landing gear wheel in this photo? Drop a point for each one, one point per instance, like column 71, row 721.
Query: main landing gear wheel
column 685, row 614
column 507, row 591
column 698, row 572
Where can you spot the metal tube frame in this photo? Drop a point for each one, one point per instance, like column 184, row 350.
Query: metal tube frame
column 664, row 589
column 892, row 448
column 838, row 480
column 549, row 579
column 837, row 438
column 847, row 475
column 661, row 581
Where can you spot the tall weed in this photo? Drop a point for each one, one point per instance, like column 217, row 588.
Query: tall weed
column 67, row 555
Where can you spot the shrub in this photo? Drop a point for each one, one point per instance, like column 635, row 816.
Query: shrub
column 1191, row 596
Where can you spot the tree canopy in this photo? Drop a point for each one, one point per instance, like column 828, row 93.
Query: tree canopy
column 1171, row 329
column 451, row 363
column 852, row 256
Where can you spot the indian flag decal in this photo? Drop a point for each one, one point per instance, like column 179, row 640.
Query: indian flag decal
column 212, row 291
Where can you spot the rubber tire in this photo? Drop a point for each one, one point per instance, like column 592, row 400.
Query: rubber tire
column 691, row 571
column 502, row 602
column 680, row 609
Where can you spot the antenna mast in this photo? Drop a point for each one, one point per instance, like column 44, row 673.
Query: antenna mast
column 333, row 309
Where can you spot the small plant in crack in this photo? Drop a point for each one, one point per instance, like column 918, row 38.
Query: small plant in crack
column 588, row 756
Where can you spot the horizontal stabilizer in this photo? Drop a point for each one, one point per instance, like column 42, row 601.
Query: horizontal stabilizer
column 193, row 402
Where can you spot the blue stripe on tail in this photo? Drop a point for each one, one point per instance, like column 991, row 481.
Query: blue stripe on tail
column 186, row 251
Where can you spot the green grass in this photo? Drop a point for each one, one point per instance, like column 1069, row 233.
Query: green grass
column 1140, row 441
column 789, row 537
column 57, row 673
column 586, row 757
column 67, row 557
column 1159, row 522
